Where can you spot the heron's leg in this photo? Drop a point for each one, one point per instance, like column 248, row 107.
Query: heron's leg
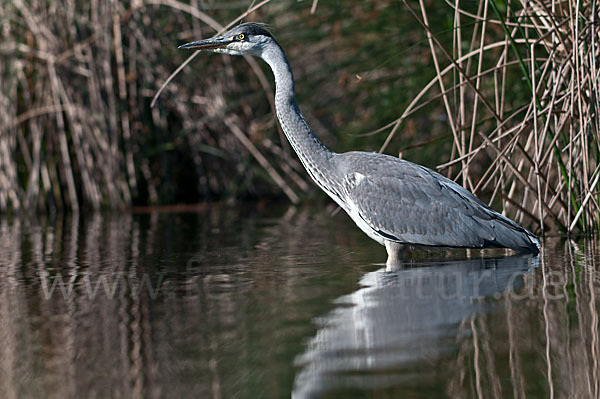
column 394, row 251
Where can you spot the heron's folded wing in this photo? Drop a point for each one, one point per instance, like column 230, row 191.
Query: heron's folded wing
column 411, row 204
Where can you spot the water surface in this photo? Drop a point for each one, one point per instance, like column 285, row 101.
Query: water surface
column 280, row 302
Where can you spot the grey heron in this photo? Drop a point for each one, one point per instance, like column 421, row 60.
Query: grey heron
column 395, row 202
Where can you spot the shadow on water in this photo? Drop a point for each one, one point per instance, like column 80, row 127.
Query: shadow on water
column 252, row 303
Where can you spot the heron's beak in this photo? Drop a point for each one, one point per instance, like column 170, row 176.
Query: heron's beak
column 208, row 44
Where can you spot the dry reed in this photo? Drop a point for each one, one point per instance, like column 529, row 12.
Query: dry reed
column 76, row 124
column 519, row 88
column 536, row 148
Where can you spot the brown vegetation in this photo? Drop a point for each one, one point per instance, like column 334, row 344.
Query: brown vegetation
column 517, row 81
column 77, row 126
column 539, row 148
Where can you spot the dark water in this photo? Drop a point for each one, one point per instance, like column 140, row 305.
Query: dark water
column 273, row 303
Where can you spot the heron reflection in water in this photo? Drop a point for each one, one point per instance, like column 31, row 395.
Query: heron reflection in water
column 377, row 337
column 395, row 202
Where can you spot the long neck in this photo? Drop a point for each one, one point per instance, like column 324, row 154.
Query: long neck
column 312, row 153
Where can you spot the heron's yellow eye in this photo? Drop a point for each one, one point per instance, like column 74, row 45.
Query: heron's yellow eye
column 241, row 36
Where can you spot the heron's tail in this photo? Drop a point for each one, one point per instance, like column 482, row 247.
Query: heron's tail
column 511, row 235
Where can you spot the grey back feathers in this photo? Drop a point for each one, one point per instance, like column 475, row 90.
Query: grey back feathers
column 407, row 203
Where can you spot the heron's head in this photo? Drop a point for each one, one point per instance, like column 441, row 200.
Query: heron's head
column 245, row 39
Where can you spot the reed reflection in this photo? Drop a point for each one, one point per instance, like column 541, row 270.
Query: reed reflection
column 222, row 304
column 77, row 318
column 473, row 328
